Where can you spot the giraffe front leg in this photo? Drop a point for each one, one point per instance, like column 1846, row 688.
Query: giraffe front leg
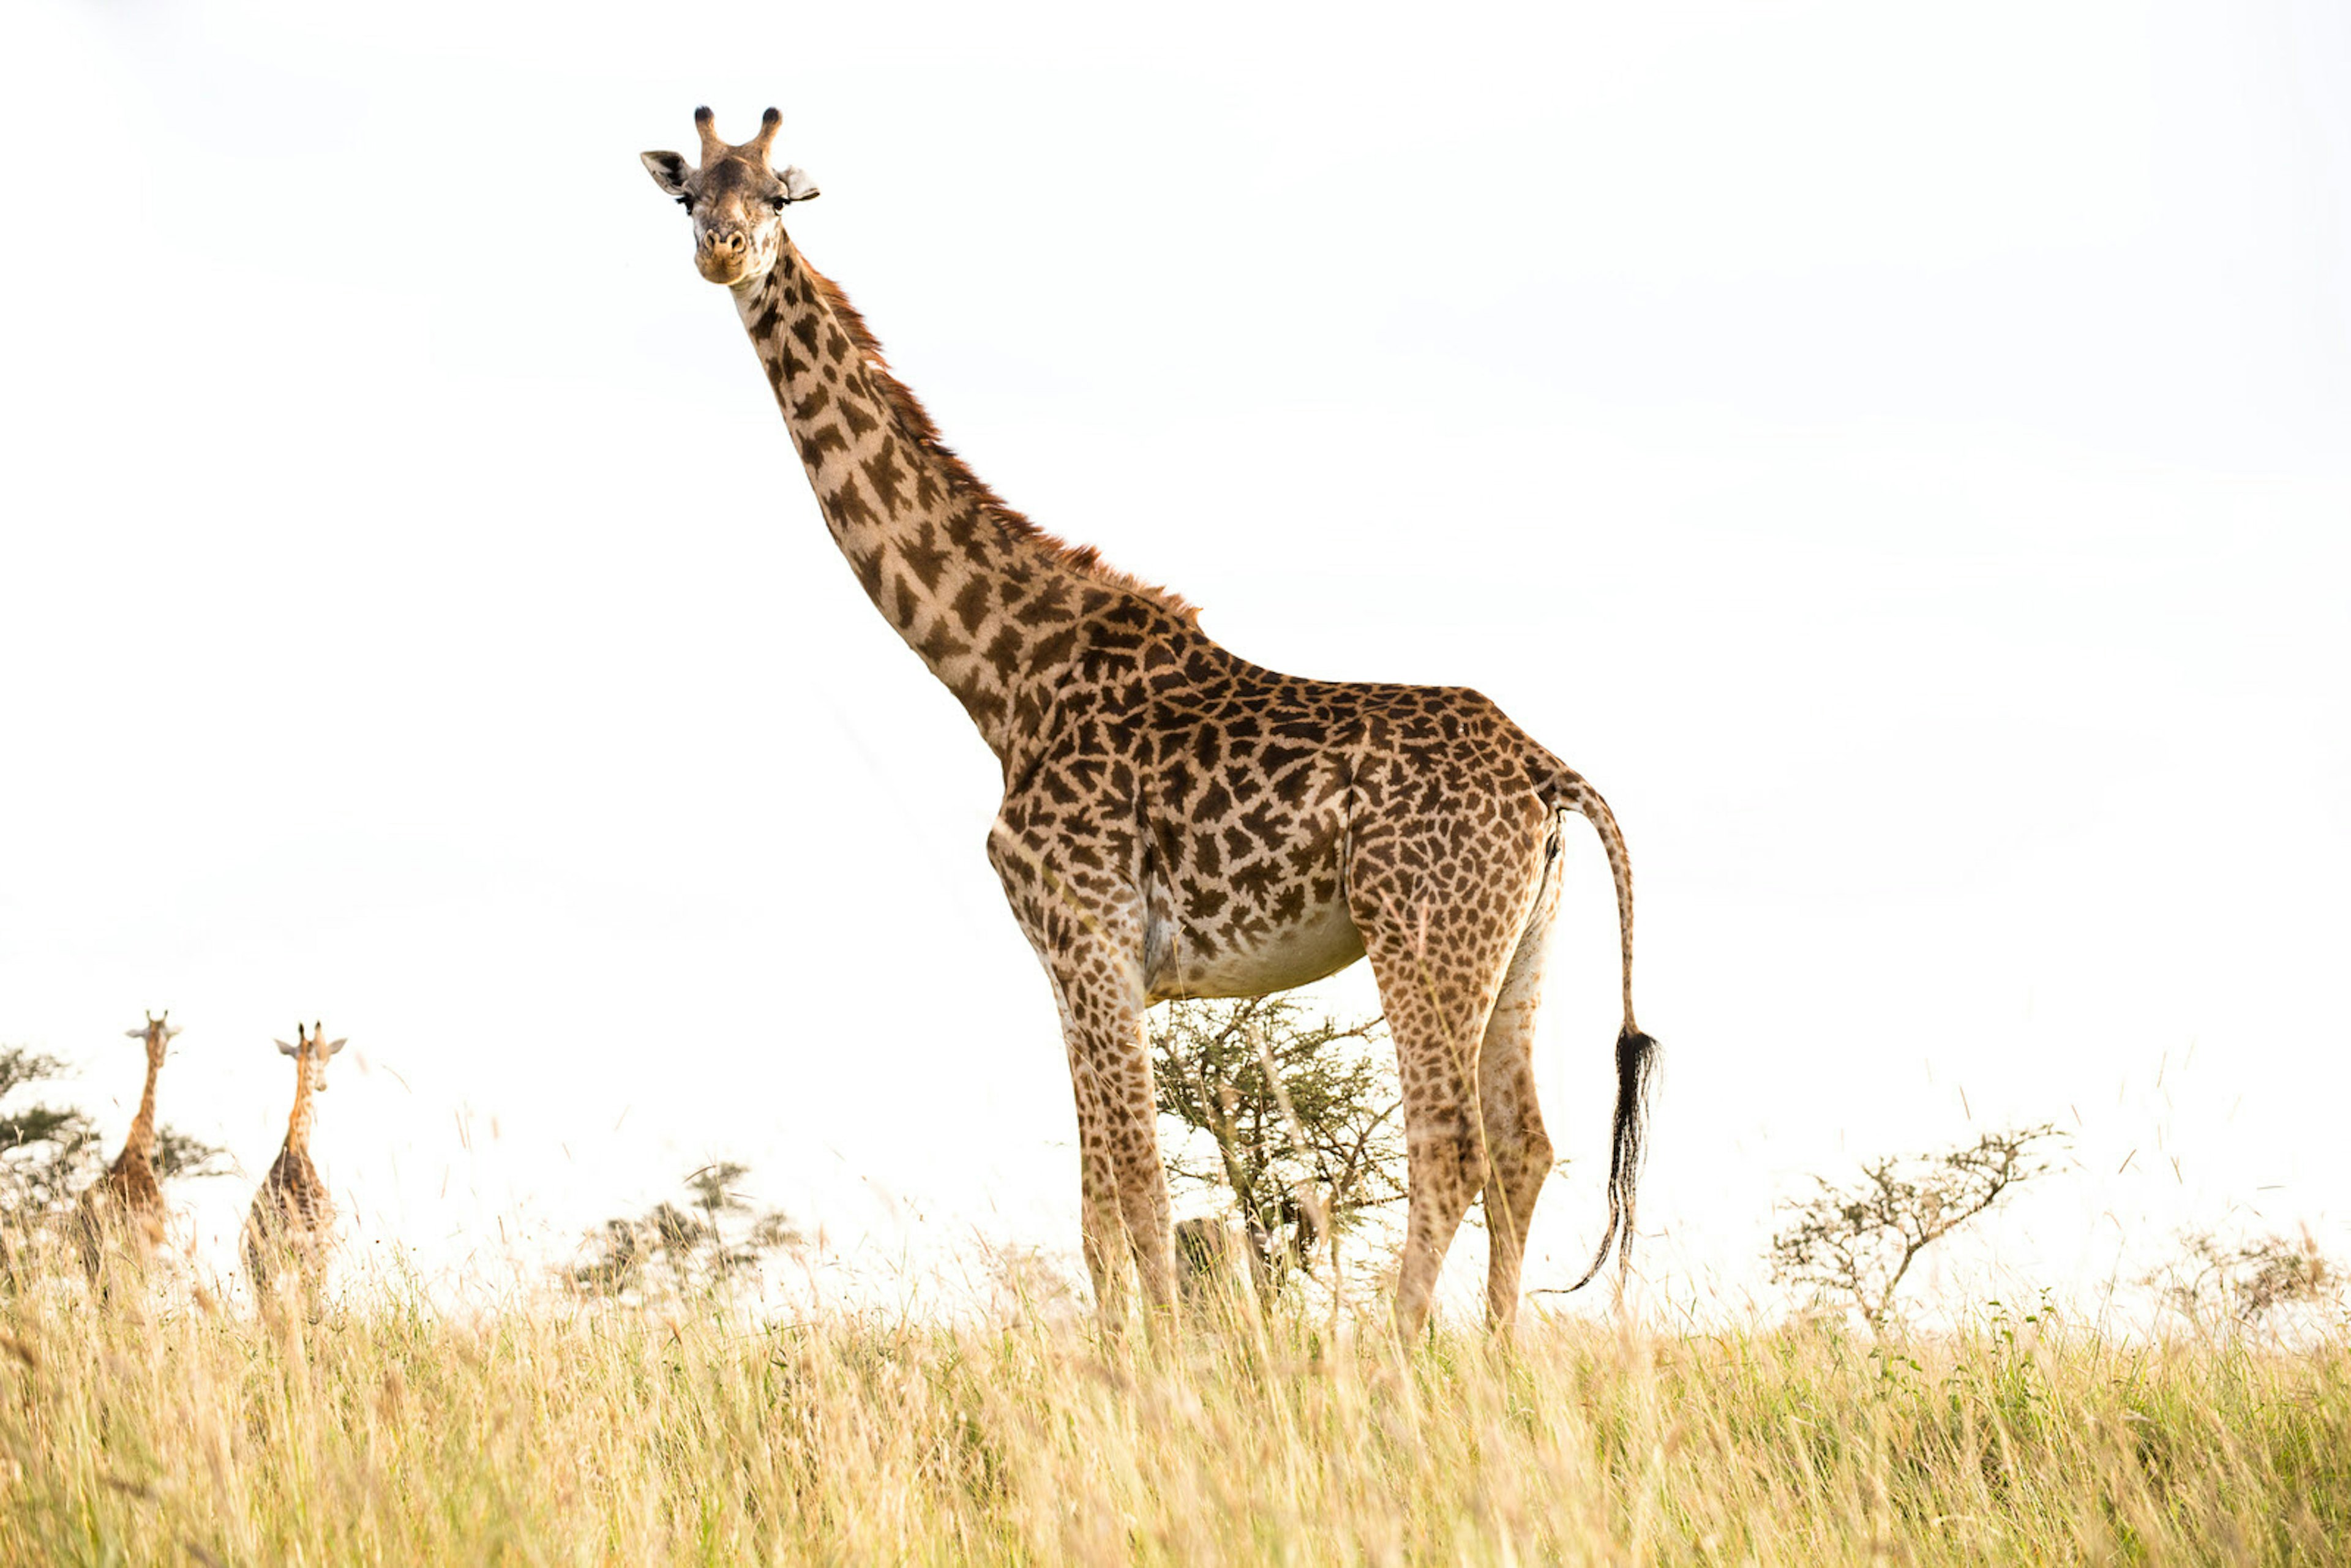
column 1101, row 1227
column 1100, row 1216
column 1089, row 937
column 1123, row 1183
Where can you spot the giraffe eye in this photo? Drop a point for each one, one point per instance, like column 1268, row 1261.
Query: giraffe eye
column 779, row 202
column 686, row 202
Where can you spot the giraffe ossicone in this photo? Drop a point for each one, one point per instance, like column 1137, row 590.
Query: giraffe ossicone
column 1178, row 822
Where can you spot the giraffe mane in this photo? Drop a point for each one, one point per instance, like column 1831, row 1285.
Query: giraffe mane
column 915, row 422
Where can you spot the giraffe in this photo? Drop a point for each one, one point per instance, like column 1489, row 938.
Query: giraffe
column 292, row 1217
column 1177, row 822
column 121, row 1215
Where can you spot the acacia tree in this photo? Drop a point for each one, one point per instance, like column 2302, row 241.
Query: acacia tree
column 2248, row 1280
column 49, row 1153
column 1856, row 1243
column 1297, row 1120
column 41, row 1146
column 711, row 1239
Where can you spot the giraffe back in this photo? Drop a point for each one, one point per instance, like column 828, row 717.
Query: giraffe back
column 1267, row 804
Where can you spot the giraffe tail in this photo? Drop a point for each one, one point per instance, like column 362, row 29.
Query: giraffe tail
column 1635, row 1051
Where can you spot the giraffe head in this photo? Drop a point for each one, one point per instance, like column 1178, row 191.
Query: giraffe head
column 737, row 198
column 310, row 1055
column 157, row 1034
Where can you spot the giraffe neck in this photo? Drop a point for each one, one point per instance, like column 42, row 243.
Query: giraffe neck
column 141, row 1143
column 991, row 604
column 297, row 1126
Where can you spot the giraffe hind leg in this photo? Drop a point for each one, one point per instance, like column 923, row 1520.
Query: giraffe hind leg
column 1519, row 1151
column 1440, row 962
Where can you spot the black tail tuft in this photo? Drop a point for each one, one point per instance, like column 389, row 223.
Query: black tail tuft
column 1636, row 1056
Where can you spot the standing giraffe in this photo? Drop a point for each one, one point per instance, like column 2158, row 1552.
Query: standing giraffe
column 121, row 1215
column 1177, row 822
column 292, row 1217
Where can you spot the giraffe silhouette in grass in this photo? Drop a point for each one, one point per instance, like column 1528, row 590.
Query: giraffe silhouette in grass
column 120, row 1217
column 1177, row 822
column 293, row 1219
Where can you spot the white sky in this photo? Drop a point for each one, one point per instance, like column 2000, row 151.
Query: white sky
column 1903, row 459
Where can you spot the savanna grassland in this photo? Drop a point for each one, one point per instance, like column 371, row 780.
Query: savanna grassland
column 551, row 1429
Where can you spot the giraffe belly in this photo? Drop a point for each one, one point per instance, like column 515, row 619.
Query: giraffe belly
column 1247, row 958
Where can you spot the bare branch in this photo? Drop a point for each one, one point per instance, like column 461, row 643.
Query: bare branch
column 2248, row 1281
column 1856, row 1243
column 702, row 1244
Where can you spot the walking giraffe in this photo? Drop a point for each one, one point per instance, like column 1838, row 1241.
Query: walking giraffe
column 292, row 1218
column 120, row 1216
column 1177, row 822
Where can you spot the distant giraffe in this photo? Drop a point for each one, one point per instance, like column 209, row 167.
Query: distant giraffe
column 293, row 1219
column 1177, row 822
column 121, row 1215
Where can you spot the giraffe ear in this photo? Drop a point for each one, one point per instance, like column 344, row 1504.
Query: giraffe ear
column 797, row 187
column 289, row 1050
column 336, row 1048
column 171, row 1032
column 669, row 171
column 134, row 1034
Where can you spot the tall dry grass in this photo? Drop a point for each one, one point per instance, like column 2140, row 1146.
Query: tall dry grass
column 551, row 1430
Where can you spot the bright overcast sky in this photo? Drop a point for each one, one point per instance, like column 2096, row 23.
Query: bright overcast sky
column 1903, row 457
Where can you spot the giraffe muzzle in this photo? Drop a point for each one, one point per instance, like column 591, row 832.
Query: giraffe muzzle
column 720, row 258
